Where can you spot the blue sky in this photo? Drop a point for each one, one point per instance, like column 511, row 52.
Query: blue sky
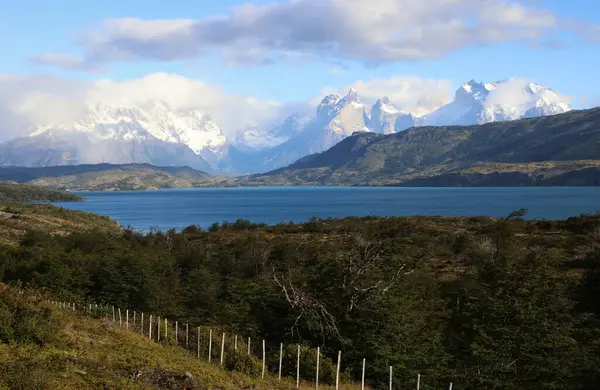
column 556, row 43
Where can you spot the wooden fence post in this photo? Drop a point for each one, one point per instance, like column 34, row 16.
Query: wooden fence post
column 418, row 381
column 317, row 376
column 166, row 327
column 142, row 325
column 134, row 319
column 264, row 360
column 176, row 332
column 280, row 358
column 150, row 328
column 209, row 344
column 158, row 329
column 248, row 346
column 114, row 319
column 198, row 342
column 362, row 383
column 235, row 343
column 187, row 335
column 298, row 369
column 120, row 320
column 127, row 319
column 222, row 348
column 337, row 373
column 391, row 376
column 450, row 386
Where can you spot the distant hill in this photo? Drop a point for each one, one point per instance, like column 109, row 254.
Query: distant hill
column 561, row 149
column 99, row 177
column 29, row 193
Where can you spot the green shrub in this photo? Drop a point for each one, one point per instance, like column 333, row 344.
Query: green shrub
column 240, row 361
column 24, row 321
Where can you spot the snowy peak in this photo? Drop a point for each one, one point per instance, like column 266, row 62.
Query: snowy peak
column 191, row 128
column 383, row 116
column 510, row 99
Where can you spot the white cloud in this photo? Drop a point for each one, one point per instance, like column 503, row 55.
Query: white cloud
column 45, row 100
column 369, row 32
column 409, row 93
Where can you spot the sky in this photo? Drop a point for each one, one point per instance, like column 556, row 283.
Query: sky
column 278, row 54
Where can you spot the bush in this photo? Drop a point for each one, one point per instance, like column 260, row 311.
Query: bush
column 24, row 321
column 242, row 362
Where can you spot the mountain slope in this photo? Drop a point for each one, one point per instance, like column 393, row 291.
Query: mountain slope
column 371, row 159
column 108, row 177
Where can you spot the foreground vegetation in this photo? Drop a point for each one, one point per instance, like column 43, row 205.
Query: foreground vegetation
column 482, row 303
column 46, row 348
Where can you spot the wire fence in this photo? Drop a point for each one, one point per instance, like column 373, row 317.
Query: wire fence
column 216, row 345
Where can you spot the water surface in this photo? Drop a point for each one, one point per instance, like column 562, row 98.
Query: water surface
column 178, row 208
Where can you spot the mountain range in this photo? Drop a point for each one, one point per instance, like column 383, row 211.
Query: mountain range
column 160, row 136
column 562, row 149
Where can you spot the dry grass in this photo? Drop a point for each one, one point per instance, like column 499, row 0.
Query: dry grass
column 95, row 353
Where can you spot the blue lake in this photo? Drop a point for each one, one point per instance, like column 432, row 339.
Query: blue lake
column 178, row 208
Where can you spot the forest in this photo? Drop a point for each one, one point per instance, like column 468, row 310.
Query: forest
column 483, row 303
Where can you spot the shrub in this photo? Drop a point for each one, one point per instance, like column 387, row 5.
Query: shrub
column 242, row 362
column 24, row 321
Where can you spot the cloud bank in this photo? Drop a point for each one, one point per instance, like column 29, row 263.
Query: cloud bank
column 369, row 32
column 27, row 101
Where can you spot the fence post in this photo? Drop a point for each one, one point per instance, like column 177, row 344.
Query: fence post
column 362, row 383
column 418, row 381
column 166, row 327
column 264, row 359
column 198, row 342
column 222, row 348
column 150, row 328
column 298, row 369
column 209, row 344
column 142, row 325
column 73, row 306
column 187, row 335
column 317, row 378
column 337, row 373
column 235, row 343
column 158, row 329
column 114, row 319
column 450, row 386
column 176, row 332
column 391, row 376
column 280, row 358
column 248, row 346
column 134, row 319
column 127, row 319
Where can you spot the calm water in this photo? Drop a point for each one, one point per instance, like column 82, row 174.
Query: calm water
column 179, row 208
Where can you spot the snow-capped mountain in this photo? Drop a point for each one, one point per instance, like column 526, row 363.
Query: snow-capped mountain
column 477, row 103
column 386, row 118
column 158, row 135
column 156, row 126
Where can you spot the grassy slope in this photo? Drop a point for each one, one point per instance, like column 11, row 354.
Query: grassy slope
column 47, row 218
column 89, row 353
